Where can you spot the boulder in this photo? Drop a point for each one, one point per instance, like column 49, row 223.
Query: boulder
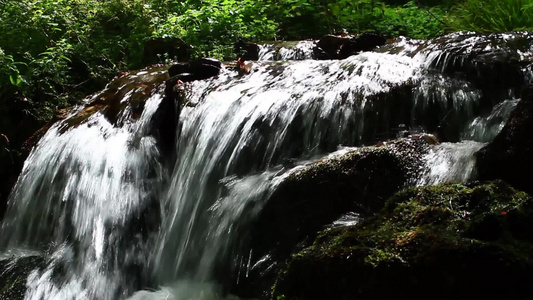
column 246, row 50
column 363, row 42
column 328, row 46
column 340, row 47
column 510, row 155
column 359, row 181
column 199, row 69
column 440, row 242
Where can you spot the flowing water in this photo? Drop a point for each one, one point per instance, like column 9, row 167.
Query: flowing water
column 111, row 215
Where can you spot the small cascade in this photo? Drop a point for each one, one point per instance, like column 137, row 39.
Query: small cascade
column 484, row 129
column 444, row 105
column 450, row 162
column 85, row 197
column 285, row 51
column 267, row 52
column 113, row 216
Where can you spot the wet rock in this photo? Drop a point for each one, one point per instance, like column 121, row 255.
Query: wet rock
column 123, row 98
column 328, row 46
column 339, row 47
column 156, row 49
column 246, row 50
column 359, row 181
column 510, row 155
column 492, row 62
column 165, row 119
column 363, row 42
column 425, row 243
column 200, row 69
column 13, row 275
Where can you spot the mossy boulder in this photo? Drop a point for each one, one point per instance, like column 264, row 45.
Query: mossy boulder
column 510, row 155
column 359, row 181
column 441, row 242
column 13, row 275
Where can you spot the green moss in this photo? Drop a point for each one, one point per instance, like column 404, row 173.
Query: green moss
column 450, row 232
column 416, row 219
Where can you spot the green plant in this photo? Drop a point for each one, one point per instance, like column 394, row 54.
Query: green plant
column 410, row 20
column 493, row 15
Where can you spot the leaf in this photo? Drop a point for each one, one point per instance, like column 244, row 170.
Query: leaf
column 15, row 80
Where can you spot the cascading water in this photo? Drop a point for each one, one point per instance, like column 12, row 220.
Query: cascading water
column 112, row 216
column 79, row 199
column 284, row 51
column 247, row 126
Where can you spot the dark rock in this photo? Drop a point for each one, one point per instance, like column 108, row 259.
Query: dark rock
column 246, row 50
column 155, row 49
column 339, row 47
column 165, row 119
column 205, row 68
column 421, row 246
column 363, row 42
column 200, row 69
column 510, row 155
column 139, row 85
column 329, row 46
column 492, row 62
column 359, row 181
column 13, row 275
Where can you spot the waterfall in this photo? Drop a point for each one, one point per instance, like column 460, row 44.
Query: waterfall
column 244, row 127
column 113, row 216
column 78, row 200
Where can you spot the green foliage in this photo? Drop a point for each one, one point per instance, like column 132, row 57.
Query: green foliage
column 52, row 52
column 319, row 17
column 213, row 26
column 410, row 20
column 493, row 15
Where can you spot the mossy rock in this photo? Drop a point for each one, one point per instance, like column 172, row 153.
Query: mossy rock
column 14, row 273
column 441, row 242
column 308, row 200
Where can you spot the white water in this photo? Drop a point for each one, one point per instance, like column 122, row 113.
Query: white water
column 247, row 125
column 285, row 51
column 450, row 162
column 485, row 128
column 85, row 194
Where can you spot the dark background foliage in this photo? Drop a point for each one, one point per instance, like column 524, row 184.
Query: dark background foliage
column 55, row 52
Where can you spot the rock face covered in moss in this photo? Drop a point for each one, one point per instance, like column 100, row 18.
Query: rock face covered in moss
column 510, row 155
column 358, row 181
column 441, row 242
